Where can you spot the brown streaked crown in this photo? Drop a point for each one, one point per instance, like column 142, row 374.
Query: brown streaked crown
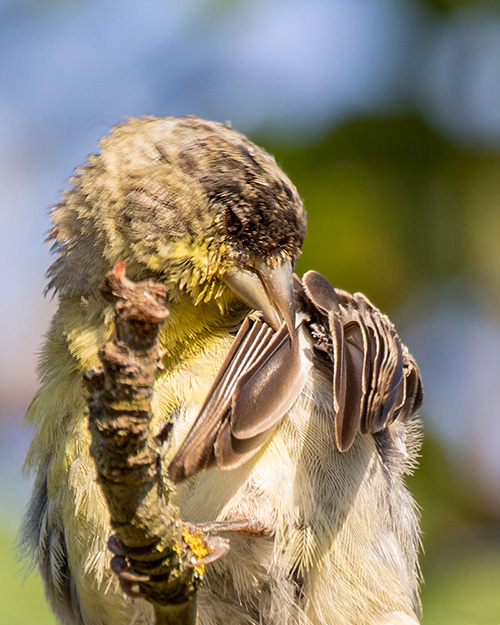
column 162, row 185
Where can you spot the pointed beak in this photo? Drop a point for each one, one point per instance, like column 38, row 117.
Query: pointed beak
column 268, row 290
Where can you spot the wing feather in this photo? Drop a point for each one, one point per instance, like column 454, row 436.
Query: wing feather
column 196, row 452
column 260, row 378
column 375, row 379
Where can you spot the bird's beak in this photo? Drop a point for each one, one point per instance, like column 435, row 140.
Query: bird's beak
column 268, row 290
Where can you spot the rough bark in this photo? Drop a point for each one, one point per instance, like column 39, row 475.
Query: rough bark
column 157, row 557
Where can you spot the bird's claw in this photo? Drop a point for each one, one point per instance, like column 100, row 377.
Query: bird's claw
column 115, row 545
column 128, row 579
column 217, row 548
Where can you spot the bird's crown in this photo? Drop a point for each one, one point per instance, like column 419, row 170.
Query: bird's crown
column 182, row 200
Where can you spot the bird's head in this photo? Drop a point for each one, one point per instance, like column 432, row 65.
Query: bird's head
column 191, row 203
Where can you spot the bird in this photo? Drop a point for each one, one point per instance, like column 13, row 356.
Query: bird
column 293, row 403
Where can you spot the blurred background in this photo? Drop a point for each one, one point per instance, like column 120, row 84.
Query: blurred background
column 385, row 114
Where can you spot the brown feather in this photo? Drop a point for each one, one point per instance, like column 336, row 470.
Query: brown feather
column 257, row 383
column 375, row 379
column 266, row 391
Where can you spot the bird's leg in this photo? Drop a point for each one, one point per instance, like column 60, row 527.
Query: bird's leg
column 251, row 527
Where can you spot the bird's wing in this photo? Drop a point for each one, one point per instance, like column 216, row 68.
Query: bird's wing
column 260, row 378
column 375, row 378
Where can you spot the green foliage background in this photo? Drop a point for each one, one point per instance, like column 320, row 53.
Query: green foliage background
column 392, row 206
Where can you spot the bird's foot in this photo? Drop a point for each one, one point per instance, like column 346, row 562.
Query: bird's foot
column 215, row 548
column 129, row 581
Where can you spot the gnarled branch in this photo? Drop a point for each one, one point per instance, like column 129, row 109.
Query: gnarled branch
column 157, row 557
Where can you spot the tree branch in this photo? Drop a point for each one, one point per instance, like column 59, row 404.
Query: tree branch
column 157, row 557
